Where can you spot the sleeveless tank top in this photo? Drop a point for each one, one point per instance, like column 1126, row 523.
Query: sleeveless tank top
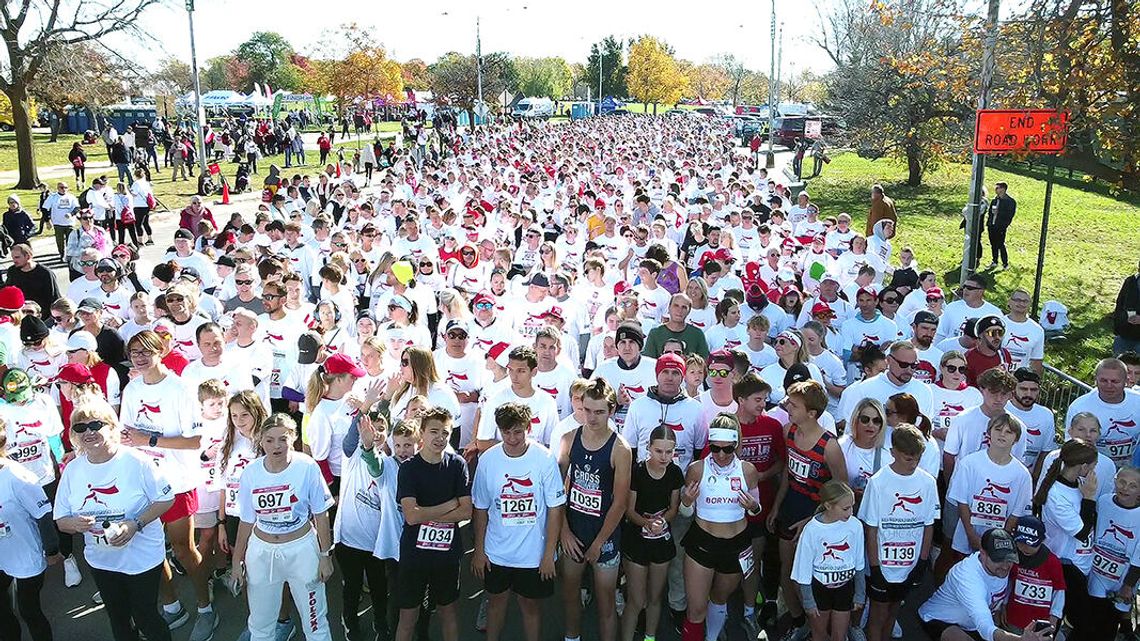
column 718, row 501
column 807, row 469
column 668, row 278
column 591, row 486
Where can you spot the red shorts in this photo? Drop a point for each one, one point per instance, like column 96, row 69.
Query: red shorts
column 185, row 504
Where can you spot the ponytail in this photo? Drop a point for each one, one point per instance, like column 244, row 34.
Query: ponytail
column 1074, row 452
column 1045, row 485
column 316, row 389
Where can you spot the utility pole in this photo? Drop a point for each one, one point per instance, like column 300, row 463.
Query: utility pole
column 770, row 159
column 479, row 111
column 976, row 209
column 198, row 115
column 780, row 64
column 599, row 112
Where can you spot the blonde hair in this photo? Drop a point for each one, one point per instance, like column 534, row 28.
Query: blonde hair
column 318, row 386
column 94, row 408
column 831, row 492
column 424, row 373
column 275, row 420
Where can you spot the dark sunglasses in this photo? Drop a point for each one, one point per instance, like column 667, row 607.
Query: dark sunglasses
column 94, row 426
column 404, row 362
column 272, row 296
column 719, row 373
column 457, row 335
column 175, row 299
column 971, row 288
column 243, row 282
column 88, row 263
column 722, row 449
column 954, row 369
column 904, row 364
column 871, row 419
column 890, row 301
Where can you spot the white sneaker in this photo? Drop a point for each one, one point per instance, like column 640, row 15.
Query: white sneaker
column 71, row 574
column 855, row 633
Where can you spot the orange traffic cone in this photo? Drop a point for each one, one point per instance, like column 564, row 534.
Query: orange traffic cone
column 225, row 193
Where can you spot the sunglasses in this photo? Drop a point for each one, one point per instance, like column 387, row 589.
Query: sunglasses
column 243, row 282
column 404, row 362
column 340, row 244
column 468, row 253
column 88, row 263
column 719, row 373
column 422, row 265
column 58, row 319
column 545, row 251
column 954, row 369
column 93, row 426
column 904, row 364
column 272, row 296
column 890, row 301
column 865, row 420
column 722, row 449
column 784, row 341
column 458, row 336
column 971, row 288
column 934, row 299
column 994, row 332
column 175, row 299
column 483, row 306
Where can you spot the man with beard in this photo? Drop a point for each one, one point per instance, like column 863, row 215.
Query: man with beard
column 988, row 352
column 898, row 378
column 1039, row 422
column 281, row 336
column 925, row 325
column 115, row 298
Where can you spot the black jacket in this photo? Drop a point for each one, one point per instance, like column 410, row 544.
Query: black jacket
column 1127, row 300
column 1002, row 210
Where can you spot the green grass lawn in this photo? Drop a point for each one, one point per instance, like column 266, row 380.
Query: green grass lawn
column 48, row 154
column 1091, row 247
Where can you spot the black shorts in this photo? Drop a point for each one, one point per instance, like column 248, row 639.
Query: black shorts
column 837, row 599
column 417, row 576
column 758, row 529
column 795, row 508
column 883, row 591
column 721, row 555
column 525, row 582
column 642, row 551
column 935, row 628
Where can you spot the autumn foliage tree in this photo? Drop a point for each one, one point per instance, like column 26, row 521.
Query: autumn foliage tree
column 654, row 76
column 352, row 66
column 416, row 74
column 83, row 76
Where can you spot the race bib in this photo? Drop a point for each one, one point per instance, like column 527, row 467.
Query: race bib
column 275, row 374
column 747, row 562
column 518, row 510
column 1109, row 564
column 273, row 504
column 1033, row 592
column 5, row 530
column 1120, row 451
column 649, row 536
column 436, row 537
column 798, row 466
column 990, row 510
column 98, row 532
column 585, row 501
column 232, row 488
column 29, row 451
column 896, row 554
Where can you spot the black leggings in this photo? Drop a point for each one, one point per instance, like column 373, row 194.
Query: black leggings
column 80, row 175
column 66, row 541
column 142, row 221
column 124, row 228
column 1105, row 619
column 132, row 596
column 354, row 565
column 28, row 602
column 1078, row 604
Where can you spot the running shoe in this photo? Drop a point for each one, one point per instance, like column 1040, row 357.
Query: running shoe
column 481, row 618
column 751, row 627
column 71, row 574
column 896, row 632
column 204, row 626
column 795, row 634
column 285, row 630
column 175, row 565
column 175, row 620
column 619, row 602
column 855, row 633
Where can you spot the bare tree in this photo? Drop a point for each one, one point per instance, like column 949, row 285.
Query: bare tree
column 31, row 29
column 736, row 74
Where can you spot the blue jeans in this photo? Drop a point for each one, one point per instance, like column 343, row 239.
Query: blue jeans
column 1121, row 345
column 124, row 173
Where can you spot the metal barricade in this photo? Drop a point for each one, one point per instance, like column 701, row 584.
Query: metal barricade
column 1058, row 391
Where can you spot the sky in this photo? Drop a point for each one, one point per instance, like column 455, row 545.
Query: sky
column 696, row 30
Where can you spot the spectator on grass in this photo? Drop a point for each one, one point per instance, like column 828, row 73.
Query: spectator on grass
column 1126, row 316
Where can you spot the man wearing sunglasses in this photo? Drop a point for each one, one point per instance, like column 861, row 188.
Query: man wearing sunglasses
column 1024, row 338
column 988, row 352
column 490, row 326
column 971, row 304
column 902, row 358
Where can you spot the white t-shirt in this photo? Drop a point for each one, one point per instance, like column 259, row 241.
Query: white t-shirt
column 22, row 502
column 954, row 316
column 229, row 474
column 968, row 598
column 29, row 428
column 1114, row 547
column 1119, row 424
column 1105, row 471
column 358, row 506
column 557, row 382
column 1025, row 341
column 213, row 433
column 682, row 416
column 234, row 373
column 861, row 462
column 774, row 375
column 391, row 514
column 761, row 358
column 167, row 408
column 993, row 493
column 542, row 406
column 720, row 337
column 281, row 338
column 949, row 403
column 968, row 435
column 881, row 388
column 516, row 492
column 1040, row 431
column 830, row 553
column 901, row 507
column 283, row 502
column 119, row 489
column 634, row 381
column 1061, row 515
column 325, row 428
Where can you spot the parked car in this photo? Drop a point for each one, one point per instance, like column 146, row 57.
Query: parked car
column 789, row 128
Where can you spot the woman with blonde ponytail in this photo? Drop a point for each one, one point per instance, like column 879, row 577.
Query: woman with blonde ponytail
column 330, row 414
column 1066, row 501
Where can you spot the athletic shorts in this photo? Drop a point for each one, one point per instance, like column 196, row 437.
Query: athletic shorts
column 935, row 628
column 715, row 553
column 205, row 520
column 416, row 577
column 795, row 508
column 185, row 504
column 637, row 549
column 837, row 599
column 525, row 582
column 883, row 591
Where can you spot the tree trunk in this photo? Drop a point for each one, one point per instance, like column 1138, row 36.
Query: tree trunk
column 913, row 166
column 654, row 109
column 25, row 148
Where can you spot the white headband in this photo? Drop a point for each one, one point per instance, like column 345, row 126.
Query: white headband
column 722, row 434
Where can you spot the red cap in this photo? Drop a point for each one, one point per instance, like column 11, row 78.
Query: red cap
column 933, row 292
column 869, row 289
column 621, row 287
column 499, row 353
column 670, row 361
column 75, row 373
column 599, row 204
column 723, row 255
column 11, row 297
column 821, row 308
column 343, row 364
column 722, row 357
column 554, row 312
column 483, row 297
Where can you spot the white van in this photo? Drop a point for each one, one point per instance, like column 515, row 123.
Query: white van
column 534, row 108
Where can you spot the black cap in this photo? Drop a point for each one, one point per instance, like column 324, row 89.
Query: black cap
column 183, row 234
column 1026, row 375
column 33, row 329
column 539, row 280
column 797, row 373
column 190, row 273
column 164, row 272
column 307, row 346
column 998, row 546
column 970, row 327
column 630, row 330
column 924, row 316
column 226, row 261
column 89, row 304
column 987, row 323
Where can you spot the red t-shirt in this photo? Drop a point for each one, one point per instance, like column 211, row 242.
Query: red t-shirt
column 977, row 362
column 1032, row 591
column 762, row 445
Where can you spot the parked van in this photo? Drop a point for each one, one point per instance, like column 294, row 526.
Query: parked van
column 534, row 108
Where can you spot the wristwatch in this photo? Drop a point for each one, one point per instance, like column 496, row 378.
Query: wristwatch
column 138, row 525
column 153, row 440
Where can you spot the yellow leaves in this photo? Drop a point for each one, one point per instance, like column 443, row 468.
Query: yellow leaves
column 654, row 75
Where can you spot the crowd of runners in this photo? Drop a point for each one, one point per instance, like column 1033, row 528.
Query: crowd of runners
column 613, row 356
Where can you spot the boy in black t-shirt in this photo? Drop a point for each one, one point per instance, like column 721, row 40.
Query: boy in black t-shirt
column 435, row 496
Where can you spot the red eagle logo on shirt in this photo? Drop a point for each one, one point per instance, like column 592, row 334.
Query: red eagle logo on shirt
column 1119, row 426
column 831, row 550
column 517, row 484
column 93, row 494
column 950, row 410
column 26, row 428
column 903, row 500
column 993, row 489
column 147, row 410
column 553, row 391
column 1118, row 532
column 1014, row 338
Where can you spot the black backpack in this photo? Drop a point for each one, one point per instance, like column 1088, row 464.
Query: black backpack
column 84, row 203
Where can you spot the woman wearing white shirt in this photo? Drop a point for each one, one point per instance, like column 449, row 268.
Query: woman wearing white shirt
column 862, row 444
column 284, row 536
column 418, row 376
column 114, row 495
column 141, row 195
column 728, row 333
column 790, row 350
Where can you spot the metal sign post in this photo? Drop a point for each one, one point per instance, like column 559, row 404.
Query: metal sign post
column 1044, row 235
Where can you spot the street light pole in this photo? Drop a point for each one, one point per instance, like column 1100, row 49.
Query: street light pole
column 975, row 208
column 599, row 79
column 770, row 158
column 478, row 71
column 198, row 115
